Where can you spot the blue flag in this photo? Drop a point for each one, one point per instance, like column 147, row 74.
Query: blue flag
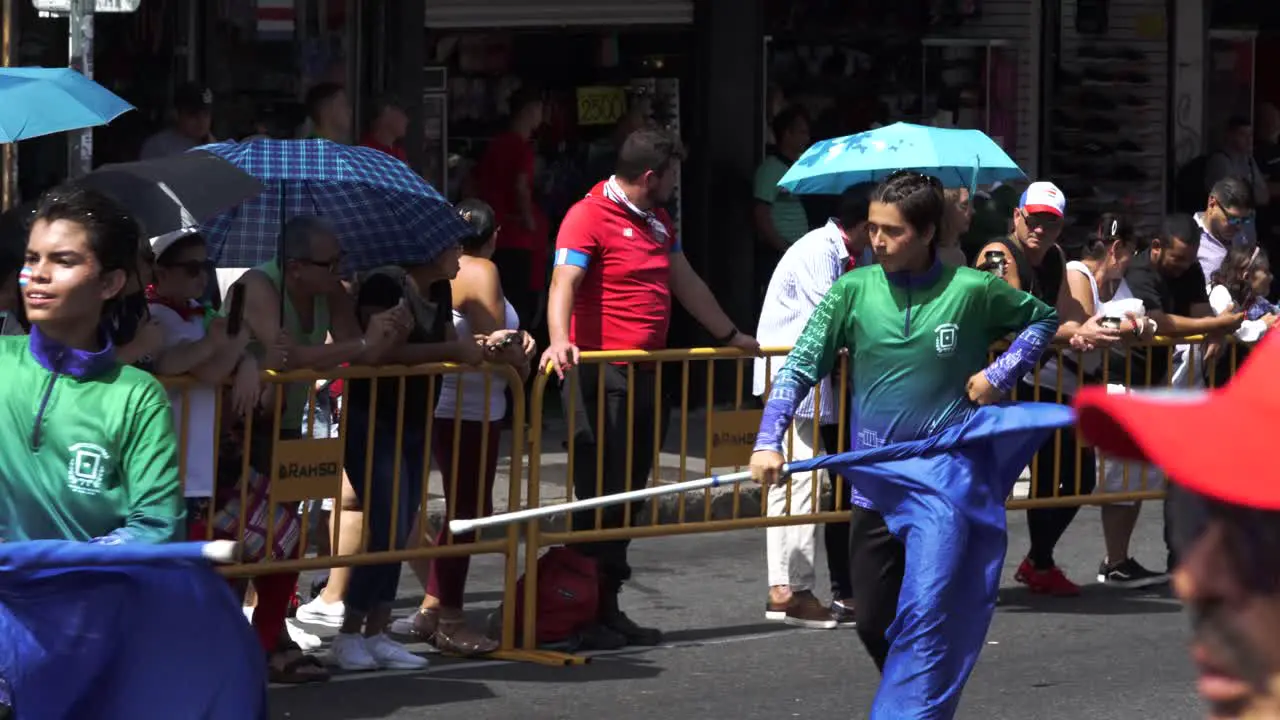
column 124, row 631
column 944, row 498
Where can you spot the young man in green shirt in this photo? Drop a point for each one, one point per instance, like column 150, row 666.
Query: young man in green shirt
column 917, row 334
column 90, row 453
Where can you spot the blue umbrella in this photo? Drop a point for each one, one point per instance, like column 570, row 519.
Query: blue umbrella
column 960, row 158
column 107, row 631
column 37, row 101
column 384, row 212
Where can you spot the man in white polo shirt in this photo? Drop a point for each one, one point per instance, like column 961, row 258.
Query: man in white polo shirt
column 802, row 277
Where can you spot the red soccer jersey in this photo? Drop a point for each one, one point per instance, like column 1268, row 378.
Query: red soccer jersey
column 624, row 302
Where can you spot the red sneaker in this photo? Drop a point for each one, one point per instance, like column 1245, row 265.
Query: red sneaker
column 1025, row 571
column 1052, row 582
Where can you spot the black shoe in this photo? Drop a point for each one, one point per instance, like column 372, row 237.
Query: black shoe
column 612, row 617
column 1133, row 101
column 843, row 614
column 619, row 623
column 1129, row 574
column 1128, row 146
column 599, row 637
column 1133, row 78
column 1129, row 54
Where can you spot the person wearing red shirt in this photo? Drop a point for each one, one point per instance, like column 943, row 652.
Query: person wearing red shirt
column 387, row 128
column 504, row 179
column 617, row 264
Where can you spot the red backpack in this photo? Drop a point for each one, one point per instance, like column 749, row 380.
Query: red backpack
column 568, row 596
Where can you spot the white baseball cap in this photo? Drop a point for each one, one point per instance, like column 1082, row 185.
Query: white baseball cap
column 1043, row 197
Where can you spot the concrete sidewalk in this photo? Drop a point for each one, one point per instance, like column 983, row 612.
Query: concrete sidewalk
column 713, row 504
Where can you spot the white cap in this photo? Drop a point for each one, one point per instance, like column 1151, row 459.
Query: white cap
column 1043, row 197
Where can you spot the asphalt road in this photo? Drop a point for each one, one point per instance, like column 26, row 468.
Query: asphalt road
column 1105, row 655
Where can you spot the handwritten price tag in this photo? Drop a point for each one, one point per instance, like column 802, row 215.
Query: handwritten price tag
column 601, row 105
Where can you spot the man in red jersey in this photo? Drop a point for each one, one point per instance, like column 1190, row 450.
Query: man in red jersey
column 617, row 264
column 504, row 178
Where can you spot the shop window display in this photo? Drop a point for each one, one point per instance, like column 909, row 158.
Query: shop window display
column 972, row 84
column 597, row 86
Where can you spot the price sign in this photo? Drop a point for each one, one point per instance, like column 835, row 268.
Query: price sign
column 601, row 105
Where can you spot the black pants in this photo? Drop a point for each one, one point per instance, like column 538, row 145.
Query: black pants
column 877, row 563
column 611, row 555
column 835, row 535
column 1047, row 525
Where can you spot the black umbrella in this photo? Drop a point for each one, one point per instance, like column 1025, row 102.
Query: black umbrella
column 175, row 193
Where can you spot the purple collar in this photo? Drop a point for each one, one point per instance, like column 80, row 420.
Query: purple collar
column 916, row 281
column 80, row 364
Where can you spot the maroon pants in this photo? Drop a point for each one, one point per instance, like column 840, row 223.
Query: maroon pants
column 448, row 580
column 275, row 594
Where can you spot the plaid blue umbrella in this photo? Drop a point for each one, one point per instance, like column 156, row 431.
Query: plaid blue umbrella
column 124, row 631
column 384, row 212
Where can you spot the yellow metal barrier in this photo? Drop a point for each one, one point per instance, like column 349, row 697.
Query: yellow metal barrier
column 611, row 383
column 301, row 470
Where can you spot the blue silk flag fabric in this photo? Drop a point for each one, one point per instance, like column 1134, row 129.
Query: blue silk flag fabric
column 944, row 497
column 124, row 631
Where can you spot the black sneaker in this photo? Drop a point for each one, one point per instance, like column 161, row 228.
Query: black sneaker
column 1129, row 147
column 619, row 623
column 599, row 637
column 1129, row 574
column 843, row 614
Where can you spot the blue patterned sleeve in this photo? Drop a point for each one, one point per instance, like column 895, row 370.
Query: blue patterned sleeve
column 1011, row 310
column 812, row 359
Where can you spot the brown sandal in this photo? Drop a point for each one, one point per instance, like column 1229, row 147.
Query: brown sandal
column 452, row 636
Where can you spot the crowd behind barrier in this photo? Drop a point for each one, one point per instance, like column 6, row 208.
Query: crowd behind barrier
column 709, row 438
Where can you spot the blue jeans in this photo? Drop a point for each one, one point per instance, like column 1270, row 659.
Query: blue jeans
column 373, row 585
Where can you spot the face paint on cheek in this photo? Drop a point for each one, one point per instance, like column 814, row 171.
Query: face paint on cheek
column 24, row 277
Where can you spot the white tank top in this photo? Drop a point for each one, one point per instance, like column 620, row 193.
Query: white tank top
column 473, row 382
column 1048, row 377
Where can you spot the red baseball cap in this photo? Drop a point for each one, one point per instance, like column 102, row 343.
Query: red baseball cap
column 1213, row 442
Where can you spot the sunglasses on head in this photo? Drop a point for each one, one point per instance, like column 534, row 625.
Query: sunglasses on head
column 1252, row 536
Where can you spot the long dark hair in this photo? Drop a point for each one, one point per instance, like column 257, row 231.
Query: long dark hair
column 1236, row 274
column 114, row 239
column 483, row 223
column 1112, row 228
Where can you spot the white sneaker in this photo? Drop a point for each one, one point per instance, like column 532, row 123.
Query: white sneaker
column 319, row 612
column 350, row 652
column 391, row 655
column 248, row 613
column 302, row 638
